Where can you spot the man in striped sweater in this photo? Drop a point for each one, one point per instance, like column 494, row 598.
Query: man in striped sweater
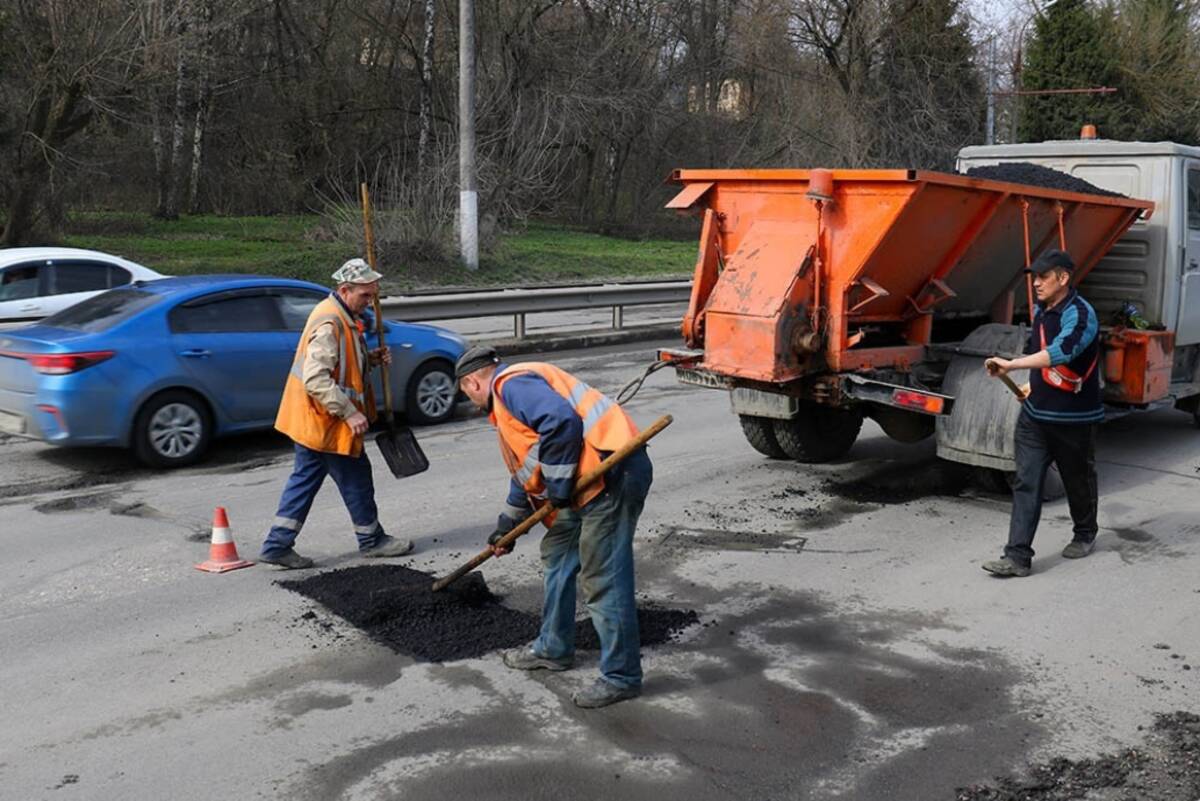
column 1059, row 415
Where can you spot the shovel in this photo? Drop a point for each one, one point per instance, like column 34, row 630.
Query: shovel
column 398, row 444
column 615, row 458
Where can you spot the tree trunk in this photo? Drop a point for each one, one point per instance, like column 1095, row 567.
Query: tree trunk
column 161, row 177
column 203, row 107
column 53, row 120
column 178, row 129
column 426, row 119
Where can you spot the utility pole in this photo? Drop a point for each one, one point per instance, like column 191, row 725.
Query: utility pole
column 468, row 188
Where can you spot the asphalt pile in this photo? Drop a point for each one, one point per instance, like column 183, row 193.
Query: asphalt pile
column 1166, row 768
column 906, row 482
column 396, row 607
column 1022, row 172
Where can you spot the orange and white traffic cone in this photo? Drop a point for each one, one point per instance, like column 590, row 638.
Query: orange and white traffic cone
column 222, row 553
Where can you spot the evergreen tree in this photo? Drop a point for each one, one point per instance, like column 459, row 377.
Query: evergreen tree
column 1073, row 47
column 931, row 95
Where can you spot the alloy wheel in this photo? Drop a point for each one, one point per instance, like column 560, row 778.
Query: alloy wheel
column 175, row 430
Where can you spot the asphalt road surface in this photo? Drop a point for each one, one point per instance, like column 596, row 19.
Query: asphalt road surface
column 850, row 647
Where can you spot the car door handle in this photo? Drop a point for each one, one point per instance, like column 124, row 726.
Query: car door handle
column 1193, row 266
column 406, row 344
column 195, row 353
column 28, row 307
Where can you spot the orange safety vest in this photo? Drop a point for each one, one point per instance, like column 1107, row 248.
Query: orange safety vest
column 606, row 428
column 300, row 416
column 1063, row 377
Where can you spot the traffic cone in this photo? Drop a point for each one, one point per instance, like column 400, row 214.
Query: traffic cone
column 222, row 553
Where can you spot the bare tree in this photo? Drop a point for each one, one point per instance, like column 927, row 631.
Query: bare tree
column 69, row 61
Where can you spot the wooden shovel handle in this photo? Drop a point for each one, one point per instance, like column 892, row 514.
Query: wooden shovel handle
column 369, row 235
column 615, row 458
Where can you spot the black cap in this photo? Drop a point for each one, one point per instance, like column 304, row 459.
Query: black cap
column 1052, row 260
column 476, row 358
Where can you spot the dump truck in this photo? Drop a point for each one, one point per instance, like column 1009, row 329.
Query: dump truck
column 824, row 297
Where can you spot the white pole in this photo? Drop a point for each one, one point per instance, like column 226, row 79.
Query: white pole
column 468, row 189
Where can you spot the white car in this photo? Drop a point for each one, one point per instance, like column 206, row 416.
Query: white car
column 38, row 282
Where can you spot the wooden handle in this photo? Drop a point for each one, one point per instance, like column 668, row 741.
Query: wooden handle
column 1008, row 382
column 615, row 458
column 369, row 235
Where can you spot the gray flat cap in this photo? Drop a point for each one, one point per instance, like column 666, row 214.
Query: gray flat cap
column 476, row 358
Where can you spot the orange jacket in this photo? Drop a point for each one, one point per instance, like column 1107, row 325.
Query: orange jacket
column 606, row 428
column 305, row 420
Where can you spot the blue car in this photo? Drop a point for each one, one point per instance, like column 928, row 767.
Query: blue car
column 164, row 366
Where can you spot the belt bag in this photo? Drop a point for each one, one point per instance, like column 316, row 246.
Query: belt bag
column 1063, row 377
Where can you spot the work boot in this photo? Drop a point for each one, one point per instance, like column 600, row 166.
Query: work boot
column 388, row 546
column 288, row 560
column 528, row 659
column 603, row 693
column 1006, row 568
column 1077, row 550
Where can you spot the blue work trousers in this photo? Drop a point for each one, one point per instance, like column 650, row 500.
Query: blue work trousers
column 353, row 478
column 595, row 543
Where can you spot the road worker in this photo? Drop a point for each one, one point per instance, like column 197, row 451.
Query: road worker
column 327, row 406
column 553, row 428
column 1059, row 414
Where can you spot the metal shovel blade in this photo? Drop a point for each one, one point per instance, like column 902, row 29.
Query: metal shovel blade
column 401, row 451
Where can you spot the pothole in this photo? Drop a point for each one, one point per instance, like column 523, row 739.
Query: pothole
column 396, row 607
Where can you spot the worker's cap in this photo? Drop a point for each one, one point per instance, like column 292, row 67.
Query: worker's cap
column 476, row 358
column 356, row 271
column 1052, row 260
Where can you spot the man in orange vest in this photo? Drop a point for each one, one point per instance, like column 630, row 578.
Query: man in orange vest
column 552, row 429
column 327, row 406
column 1058, row 416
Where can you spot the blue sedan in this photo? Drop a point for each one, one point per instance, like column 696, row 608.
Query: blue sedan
column 162, row 367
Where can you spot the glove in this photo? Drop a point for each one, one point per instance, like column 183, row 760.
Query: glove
column 495, row 538
column 559, row 503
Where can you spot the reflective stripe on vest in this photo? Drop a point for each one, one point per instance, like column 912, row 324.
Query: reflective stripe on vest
column 1063, row 377
column 606, row 428
column 300, row 416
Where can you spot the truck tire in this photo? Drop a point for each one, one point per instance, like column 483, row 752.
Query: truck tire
column 818, row 433
column 760, row 433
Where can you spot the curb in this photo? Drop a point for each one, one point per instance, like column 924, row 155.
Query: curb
column 546, row 343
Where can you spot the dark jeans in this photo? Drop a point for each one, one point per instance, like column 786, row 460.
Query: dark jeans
column 1073, row 449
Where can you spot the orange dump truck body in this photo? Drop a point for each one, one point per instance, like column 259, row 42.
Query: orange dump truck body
column 803, row 273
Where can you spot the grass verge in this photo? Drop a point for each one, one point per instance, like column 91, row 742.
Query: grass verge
column 296, row 246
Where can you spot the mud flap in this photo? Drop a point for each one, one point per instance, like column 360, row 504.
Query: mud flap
column 979, row 430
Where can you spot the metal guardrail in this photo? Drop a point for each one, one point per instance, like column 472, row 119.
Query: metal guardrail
column 521, row 302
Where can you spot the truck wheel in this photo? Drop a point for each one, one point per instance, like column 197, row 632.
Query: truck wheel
column 818, row 433
column 760, row 433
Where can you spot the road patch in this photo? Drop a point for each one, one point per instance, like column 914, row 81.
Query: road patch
column 394, row 606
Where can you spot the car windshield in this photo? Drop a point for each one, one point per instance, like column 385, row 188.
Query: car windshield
column 102, row 312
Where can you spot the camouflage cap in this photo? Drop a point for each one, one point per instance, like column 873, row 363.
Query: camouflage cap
column 356, row 271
